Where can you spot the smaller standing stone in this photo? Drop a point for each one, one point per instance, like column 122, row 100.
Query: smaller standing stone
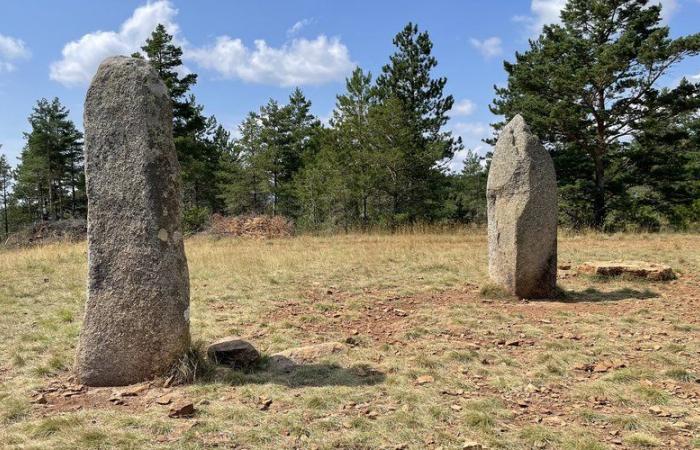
column 522, row 214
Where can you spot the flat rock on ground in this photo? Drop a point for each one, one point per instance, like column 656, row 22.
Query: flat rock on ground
column 637, row 269
column 288, row 359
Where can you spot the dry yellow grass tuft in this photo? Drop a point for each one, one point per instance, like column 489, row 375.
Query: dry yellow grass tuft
column 430, row 361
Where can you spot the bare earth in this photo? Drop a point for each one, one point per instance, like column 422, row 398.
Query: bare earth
column 433, row 357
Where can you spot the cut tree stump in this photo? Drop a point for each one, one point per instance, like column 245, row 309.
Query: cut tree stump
column 637, row 269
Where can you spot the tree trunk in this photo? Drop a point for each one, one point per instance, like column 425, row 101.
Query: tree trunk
column 598, row 155
column 599, row 193
column 4, row 208
column 72, row 188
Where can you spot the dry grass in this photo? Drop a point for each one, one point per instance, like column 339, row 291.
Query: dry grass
column 506, row 374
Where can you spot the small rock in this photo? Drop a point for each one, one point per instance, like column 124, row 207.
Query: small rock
column 233, row 352
column 472, row 445
column 681, row 425
column 133, row 391
column 424, row 379
column 164, row 400
column 181, row 409
column 40, row 400
column 264, row 403
column 456, row 408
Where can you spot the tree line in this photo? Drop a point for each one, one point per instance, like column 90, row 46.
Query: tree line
column 626, row 151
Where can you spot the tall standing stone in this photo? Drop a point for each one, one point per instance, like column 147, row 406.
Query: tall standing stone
column 137, row 314
column 522, row 214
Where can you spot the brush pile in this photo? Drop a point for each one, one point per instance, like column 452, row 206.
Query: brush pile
column 66, row 230
column 259, row 227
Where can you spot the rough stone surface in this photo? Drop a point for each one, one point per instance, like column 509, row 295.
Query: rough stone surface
column 522, row 214
column 137, row 314
column 234, row 352
column 637, row 269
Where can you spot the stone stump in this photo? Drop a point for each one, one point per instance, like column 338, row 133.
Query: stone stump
column 522, row 214
column 137, row 314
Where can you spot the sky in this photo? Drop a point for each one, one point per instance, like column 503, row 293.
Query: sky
column 247, row 52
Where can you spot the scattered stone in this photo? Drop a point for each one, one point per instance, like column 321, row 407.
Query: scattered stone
column 233, row 352
column 136, row 323
column 472, row 445
column 164, row 400
column 181, row 409
column 522, row 214
column 457, row 393
column 264, row 403
column 40, row 400
column 605, row 366
column 637, row 269
column 424, row 379
column 133, row 391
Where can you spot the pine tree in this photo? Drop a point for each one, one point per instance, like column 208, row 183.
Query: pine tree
column 358, row 158
column 408, row 80
column 49, row 173
column 166, row 58
column 468, row 191
column 586, row 86
column 5, row 180
column 194, row 133
column 244, row 178
column 340, row 185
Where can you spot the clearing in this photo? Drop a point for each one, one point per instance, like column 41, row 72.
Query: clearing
column 433, row 358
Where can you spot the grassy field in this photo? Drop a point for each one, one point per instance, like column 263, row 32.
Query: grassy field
column 433, row 358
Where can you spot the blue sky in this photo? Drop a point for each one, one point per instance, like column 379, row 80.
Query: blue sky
column 246, row 52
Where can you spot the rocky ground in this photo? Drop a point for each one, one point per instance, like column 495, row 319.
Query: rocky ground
column 425, row 354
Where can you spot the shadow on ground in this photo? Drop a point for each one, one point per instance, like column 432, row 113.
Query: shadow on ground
column 592, row 295
column 300, row 375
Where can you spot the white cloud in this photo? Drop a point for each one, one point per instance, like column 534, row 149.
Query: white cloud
column 488, row 47
column 695, row 78
column 299, row 62
column 471, row 129
column 543, row 12
column 11, row 49
column 548, row 12
column 472, row 134
column 668, row 8
column 81, row 57
column 296, row 28
column 463, row 108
